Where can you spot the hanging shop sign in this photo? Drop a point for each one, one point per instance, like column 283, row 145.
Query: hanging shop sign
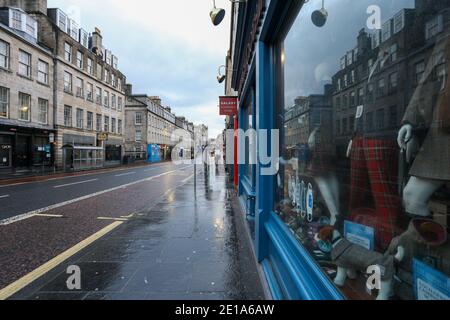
column 228, row 106
column 103, row 136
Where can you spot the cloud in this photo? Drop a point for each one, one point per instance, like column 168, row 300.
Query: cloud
column 165, row 48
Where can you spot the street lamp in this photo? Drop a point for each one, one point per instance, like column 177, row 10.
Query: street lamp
column 221, row 77
column 319, row 17
column 217, row 14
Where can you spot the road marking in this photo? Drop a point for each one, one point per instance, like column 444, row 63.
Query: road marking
column 49, row 215
column 42, row 270
column 65, row 203
column 188, row 178
column 129, row 216
column 125, row 174
column 113, row 219
column 74, row 183
column 5, row 196
column 101, row 171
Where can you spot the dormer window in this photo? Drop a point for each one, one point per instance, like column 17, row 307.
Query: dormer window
column 16, row 20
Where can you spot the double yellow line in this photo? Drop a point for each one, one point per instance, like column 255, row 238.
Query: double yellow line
column 42, row 270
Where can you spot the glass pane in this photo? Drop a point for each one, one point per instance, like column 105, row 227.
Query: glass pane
column 364, row 180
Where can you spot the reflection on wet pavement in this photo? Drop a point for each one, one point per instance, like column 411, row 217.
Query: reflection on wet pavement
column 185, row 247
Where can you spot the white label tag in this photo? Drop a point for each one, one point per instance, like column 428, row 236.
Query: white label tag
column 359, row 112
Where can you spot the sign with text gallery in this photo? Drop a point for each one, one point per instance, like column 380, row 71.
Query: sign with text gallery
column 228, row 106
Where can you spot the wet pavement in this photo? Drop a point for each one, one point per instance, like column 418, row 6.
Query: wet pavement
column 188, row 246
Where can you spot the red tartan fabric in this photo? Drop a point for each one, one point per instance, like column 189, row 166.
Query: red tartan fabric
column 374, row 180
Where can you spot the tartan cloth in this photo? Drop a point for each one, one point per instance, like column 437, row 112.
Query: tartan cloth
column 374, row 166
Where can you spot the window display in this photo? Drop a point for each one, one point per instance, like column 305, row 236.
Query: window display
column 364, row 181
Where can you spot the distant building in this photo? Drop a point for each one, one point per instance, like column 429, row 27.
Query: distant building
column 149, row 128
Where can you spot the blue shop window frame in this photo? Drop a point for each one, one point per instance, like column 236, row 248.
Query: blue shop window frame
column 290, row 270
column 247, row 184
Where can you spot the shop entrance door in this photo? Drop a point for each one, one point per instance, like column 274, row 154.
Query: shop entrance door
column 23, row 152
column 5, row 156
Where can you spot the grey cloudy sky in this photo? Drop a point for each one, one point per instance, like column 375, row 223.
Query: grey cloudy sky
column 167, row 48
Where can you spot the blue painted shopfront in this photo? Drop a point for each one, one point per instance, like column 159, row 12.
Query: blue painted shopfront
column 358, row 113
column 153, row 153
column 289, row 269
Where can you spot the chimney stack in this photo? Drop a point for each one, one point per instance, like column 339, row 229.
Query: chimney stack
column 96, row 41
column 128, row 89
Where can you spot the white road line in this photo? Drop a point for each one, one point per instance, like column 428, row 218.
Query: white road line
column 65, row 203
column 74, row 183
column 188, row 178
column 125, row 174
column 75, row 176
column 5, row 196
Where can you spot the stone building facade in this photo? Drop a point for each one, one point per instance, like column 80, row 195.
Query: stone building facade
column 26, row 95
column 154, row 131
column 88, row 90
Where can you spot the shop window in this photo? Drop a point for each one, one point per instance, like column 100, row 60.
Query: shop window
column 4, row 54
column 24, row 64
column 24, row 107
column 374, row 206
column 4, row 102
column 43, row 111
column 250, row 142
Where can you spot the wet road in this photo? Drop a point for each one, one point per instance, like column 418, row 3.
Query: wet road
column 166, row 243
column 29, row 198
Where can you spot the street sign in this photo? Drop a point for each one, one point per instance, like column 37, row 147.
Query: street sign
column 228, row 106
column 102, row 136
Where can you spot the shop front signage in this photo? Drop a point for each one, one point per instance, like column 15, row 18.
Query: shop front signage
column 228, row 106
column 103, row 136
